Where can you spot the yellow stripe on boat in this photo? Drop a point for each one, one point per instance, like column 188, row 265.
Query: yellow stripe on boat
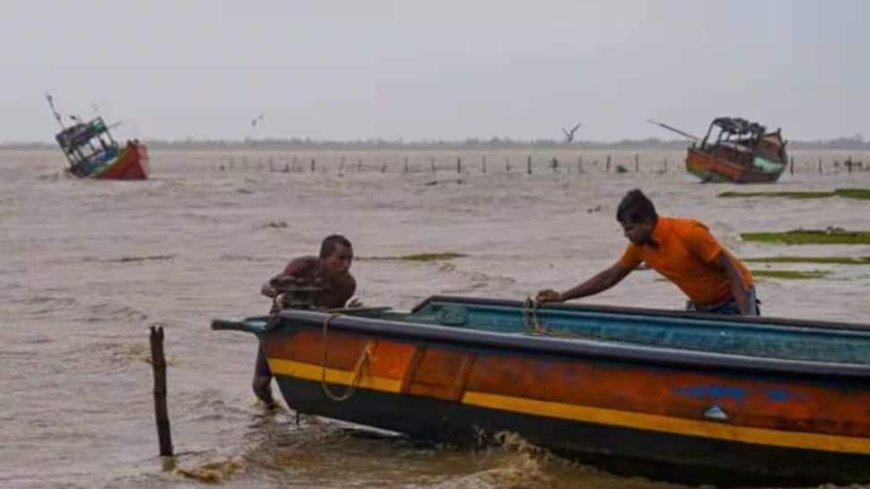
column 601, row 416
column 667, row 424
column 308, row 371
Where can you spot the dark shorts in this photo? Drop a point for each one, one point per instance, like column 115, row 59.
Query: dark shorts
column 261, row 367
column 729, row 307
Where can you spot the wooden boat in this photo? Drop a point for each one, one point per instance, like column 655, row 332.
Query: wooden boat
column 92, row 152
column 686, row 397
column 737, row 151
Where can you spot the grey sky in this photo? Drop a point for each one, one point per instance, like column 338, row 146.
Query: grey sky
column 441, row 69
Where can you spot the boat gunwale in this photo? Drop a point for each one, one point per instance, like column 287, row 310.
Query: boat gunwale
column 571, row 347
column 641, row 311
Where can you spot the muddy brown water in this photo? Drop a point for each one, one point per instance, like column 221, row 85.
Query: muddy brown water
column 87, row 266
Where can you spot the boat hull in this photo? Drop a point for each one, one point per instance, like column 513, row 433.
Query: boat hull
column 624, row 451
column 672, row 415
column 710, row 168
column 130, row 164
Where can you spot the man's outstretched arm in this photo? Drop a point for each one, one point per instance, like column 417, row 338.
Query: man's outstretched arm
column 597, row 284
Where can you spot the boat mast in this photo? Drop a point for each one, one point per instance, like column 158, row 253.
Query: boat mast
column 54, row 110
column 674, row 129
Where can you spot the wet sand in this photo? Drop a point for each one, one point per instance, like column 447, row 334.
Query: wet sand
column 87, row 266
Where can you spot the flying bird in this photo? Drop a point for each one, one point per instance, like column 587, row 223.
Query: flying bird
column 569, row 135
column 257, row 120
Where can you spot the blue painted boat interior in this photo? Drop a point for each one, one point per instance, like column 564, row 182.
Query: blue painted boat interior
column 703, row 332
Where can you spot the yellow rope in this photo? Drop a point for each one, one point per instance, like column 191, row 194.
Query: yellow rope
column 362, row 365
column 530, row 317
column 534, row 326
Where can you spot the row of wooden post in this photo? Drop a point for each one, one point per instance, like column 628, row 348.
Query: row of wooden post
column 849, row 164
column 407, row 169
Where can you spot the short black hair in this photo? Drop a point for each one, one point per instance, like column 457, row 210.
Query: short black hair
column 635, row 207
column 327, row 247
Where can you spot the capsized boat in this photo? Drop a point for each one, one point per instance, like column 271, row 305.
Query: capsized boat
column 92, row 152
column 688, row 397
column 735, row 150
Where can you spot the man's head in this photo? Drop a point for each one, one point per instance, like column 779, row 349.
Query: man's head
column 638, row 217
column 336, row 254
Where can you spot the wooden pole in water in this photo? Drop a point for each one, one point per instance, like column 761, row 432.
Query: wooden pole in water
column 483, row 163
column 579, row 164
column 358, row 165
column 161, row 413
column 791, row 165
column 406, row 164
column 529, row 164
column 608, row 163
column 458, row 165
column 820, row 166
column 312, row 165
column 432, row 163
column 636, row 163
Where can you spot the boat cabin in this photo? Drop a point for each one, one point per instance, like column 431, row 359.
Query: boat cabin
column 88, row 146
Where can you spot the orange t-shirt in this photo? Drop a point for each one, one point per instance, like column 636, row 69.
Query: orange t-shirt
column 686, row 254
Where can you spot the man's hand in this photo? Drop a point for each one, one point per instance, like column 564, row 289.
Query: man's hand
column 354, row 303
column 548, row 295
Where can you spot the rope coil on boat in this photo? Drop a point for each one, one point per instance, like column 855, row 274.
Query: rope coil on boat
column 361, row 367
column 533, row 325
column 530, row 317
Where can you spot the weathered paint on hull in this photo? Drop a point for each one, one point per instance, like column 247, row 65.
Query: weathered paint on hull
column 717, row 170
column 131, row 164
column 624, row 451
column 779, row 427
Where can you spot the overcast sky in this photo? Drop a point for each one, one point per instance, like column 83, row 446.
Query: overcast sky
column 440, row 69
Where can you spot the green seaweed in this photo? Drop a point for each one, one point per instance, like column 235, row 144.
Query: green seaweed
column 854, row 193
column 830, row 260
column 419, row 257
column 787, row 195
column 447, row 255
column 848, row 193
column 832, row 236
column 790, row 274
column 779, row 274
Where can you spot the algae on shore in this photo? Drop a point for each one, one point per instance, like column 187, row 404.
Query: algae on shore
column 810, row 236
column 827, row 260
column 790, row 274
column 419, row 257
column 848, row 193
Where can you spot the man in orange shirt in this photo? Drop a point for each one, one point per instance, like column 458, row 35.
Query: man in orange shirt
column 684, row 251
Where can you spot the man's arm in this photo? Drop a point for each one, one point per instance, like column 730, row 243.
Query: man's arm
column 297, row 266
column 701, row 242
column 738, row 289
column 267, row 288
column 597, row 284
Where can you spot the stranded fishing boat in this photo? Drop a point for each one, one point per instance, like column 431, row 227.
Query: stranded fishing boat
column 675, row 396
column 735, row 150
column 92, row 152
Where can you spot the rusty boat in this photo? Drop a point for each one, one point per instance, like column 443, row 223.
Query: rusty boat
column 735, row 150
column 92, row 152
column 687, row 397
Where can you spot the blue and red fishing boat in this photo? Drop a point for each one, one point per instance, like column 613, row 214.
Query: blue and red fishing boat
column 92, row 152
column 677, row 396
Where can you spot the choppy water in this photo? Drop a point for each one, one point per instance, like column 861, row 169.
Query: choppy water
column 87, row 266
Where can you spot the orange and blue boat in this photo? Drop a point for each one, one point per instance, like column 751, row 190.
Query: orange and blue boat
column 92, row 152
column 735, row 150
column 687, row 397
